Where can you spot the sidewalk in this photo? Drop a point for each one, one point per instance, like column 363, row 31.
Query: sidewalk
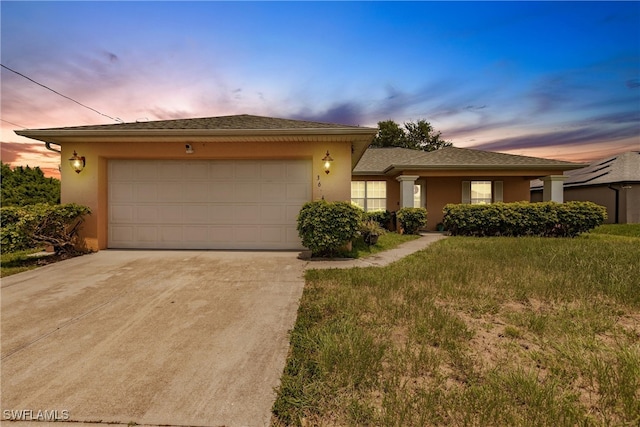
column 381, row 258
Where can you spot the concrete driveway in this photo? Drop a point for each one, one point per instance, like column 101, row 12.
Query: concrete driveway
column 152, row 337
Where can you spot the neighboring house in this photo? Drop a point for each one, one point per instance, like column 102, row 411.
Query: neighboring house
column 613, row 182
column 390, row 178
column 238, row 182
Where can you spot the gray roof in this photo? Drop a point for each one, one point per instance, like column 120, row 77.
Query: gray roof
column 393, row 159
column 236, row 122
column 618, row 169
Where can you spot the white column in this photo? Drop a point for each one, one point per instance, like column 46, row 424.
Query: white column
column 553, row 188
column 406, row 190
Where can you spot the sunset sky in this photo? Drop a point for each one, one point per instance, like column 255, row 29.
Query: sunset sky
column 549, row 79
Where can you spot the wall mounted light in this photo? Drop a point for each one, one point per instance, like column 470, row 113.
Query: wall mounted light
column 188, row 149
column 77, row 162
column 327, row 162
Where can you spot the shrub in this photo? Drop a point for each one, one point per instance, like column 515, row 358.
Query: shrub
column 325, row 227
column 383, row 218
column 547, row 219
column 33, row 226
column 412, row 219
column 371, row 228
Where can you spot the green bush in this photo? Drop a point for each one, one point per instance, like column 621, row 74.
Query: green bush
column 325, row 227
column 383, row 218
column 547, row 219
column 33, row 226
column 412, row 219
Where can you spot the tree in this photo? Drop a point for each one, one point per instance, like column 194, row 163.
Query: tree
column 26, row 186
column 418, row 135
column 390, row 134
column 421, row 136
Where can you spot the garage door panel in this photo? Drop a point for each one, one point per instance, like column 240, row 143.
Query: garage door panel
column 121, row 192
column 298, row 171
column 205, row 204
column 221, row 170
column 221, row 214
column 169, row 192
column 220, row 235
column 146, row 173
column 272, row 214
column 196, row 192
column 272, row 171
column 171, row 235
column 298, row 192
column 121, row 214
column 272, row 234
column 146, row 192
column 246, row 192
column 195, row 214
column 246, row 171
column 197, row 171
column 170, row 214
column 273, row 192
column 220, row 192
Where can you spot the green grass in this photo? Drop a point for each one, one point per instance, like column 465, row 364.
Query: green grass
column 628, row 230
column 472, row 331
column 385, row 242
column 17, row 262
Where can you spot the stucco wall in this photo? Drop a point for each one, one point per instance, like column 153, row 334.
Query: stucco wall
column 443, row 190
column 90, row 186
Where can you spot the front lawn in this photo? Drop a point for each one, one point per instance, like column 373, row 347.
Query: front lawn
column 472, row 331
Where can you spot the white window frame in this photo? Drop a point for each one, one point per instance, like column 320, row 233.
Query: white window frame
column 366, row 201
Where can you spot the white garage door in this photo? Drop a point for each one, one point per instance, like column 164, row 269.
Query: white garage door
column 207, row 204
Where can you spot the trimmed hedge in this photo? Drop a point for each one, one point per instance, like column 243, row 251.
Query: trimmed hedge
column 547, row 219
column 325, row 227
column 412, row 219
column 33, row 226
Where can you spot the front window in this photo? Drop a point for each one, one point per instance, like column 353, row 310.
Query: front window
column 369, row 195
column 480, row 192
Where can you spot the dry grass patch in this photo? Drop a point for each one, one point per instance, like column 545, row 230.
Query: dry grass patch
column 491, row 331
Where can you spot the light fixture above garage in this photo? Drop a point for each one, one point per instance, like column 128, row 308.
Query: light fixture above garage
column 327, row 162
column 77, row 162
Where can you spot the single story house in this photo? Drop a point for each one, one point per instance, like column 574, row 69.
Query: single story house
column 394, row 177
column 613, row 182
column 238, row 182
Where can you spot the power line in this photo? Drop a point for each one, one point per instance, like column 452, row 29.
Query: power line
column 64, row 96
column 15, row 124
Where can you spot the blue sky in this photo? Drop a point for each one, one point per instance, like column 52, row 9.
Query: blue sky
column 549, row 79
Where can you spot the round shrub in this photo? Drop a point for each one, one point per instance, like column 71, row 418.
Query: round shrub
column 412, row 219
column 325, row 227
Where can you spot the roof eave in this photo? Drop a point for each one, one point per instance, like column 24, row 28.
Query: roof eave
column 53, row 133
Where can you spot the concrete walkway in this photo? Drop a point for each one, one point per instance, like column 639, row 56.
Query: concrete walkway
column 379, row 259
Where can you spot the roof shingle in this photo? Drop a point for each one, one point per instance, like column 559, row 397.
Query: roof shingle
column 236, row 122
column 381, row 160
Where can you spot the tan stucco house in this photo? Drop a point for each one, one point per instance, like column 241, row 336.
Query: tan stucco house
column 238, row 182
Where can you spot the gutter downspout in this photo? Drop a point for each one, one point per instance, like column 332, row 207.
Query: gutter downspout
column 48, row 146
column 617, row 190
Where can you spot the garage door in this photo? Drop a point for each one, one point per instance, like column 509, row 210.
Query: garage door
column 206, row 204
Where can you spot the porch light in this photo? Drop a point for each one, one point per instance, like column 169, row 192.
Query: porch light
column 77, row 162
column 327, row 162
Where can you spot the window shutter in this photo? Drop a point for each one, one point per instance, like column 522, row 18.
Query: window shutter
column 497, row 191
column 466, row 192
